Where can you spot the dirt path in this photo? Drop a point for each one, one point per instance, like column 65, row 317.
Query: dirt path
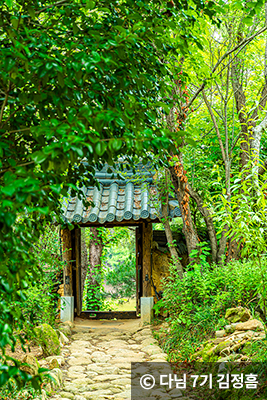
column 98, row 359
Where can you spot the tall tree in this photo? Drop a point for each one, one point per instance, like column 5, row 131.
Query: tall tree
column 222, row 85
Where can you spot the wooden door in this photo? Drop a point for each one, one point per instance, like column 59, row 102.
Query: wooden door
column 78, row 300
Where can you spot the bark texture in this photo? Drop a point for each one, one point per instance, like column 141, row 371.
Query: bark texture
column 166, row 224
column 208, row 220
column 95, row 253
column 179, row 181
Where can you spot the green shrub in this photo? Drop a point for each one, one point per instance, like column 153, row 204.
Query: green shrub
column 196, row 305
column 11, row 389
column 122, row 277
column 40, row 295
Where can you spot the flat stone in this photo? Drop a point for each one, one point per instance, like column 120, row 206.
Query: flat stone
column 64, row 398
column 60, row 359
column 69, row 323
column 119, row 352
column 158, row 356
column 220, row 334
column 100, row 385
column 100, row 357
column 230, row 328
column 116, row 343
column 103, row 378
column 91, row 374
column 123, row 395
column 76, row 368
column 252, row 324
column 92, row 395
column 81, row 382
column 122, row 360
column 134, row 346
column 79, row 361
column 124, row 365
column 103, row 369
column 81, row 344
column 149, row 341
column 76, row 375
column 63, row 338
column 152, row 349
column 175, row 392
column 122, row 381
column 68, row 387
column 67, row 395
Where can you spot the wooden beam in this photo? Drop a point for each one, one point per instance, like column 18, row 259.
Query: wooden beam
column 146, row 253
column 67, row 258
column 108, row 314
column 130, row 222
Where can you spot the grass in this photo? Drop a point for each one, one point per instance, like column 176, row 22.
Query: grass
column 11, row 392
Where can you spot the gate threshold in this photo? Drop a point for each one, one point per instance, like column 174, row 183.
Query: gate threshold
column 108, row 315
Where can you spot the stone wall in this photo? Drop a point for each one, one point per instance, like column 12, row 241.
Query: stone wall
column 161, row 259
column 160, row 269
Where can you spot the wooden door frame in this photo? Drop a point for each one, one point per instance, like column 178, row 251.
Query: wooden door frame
column 143, row 242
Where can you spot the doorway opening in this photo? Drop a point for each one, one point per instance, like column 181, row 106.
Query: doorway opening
column 109, row 271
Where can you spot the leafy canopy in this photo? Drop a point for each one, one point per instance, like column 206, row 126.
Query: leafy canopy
column 79, row 80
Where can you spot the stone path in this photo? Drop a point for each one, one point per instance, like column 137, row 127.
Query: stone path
column 98, row 360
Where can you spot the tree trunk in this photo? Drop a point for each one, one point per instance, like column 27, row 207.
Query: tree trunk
column 95, row 253
column 94, row 268
column 179, row 181
column 165, row 221
column 208, row 220
column 84, row 260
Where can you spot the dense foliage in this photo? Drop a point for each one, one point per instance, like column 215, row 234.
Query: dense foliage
column 196, row 305
column 77, row 80
column 91, row 80
column 41, row 305
column 116, row 276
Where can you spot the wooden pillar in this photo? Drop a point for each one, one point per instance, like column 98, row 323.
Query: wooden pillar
column 139, row 276
column 146, row 250
column 78, row 270
column 67, row 257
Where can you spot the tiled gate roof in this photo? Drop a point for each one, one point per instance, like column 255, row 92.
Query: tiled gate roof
column 131, row 197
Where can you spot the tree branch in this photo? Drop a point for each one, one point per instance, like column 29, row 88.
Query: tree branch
column 58, row 3
column 3, row 108
column 208, row 220
column 215, row 124
column 241, row 44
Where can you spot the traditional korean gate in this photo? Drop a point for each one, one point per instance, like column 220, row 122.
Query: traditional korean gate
column 94, row 314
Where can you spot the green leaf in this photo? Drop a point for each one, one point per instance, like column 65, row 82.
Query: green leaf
column 8, row 190
column 90, row 4
column 61, row 79
column 15, row 22
column 38, row 157
column 9, row 3
column 31, row 11
column 100, row 148
column 116, row 144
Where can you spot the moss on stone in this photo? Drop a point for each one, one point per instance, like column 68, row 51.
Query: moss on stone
column 237, row 314
column 48, row 340
column 221, row 346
